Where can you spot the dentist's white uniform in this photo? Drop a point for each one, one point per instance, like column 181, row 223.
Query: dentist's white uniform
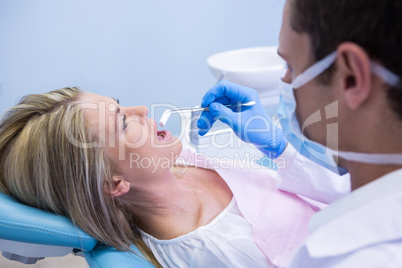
column 360, row 229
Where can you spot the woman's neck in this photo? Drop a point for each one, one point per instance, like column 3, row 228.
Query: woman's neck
column 183, row 200
column 175, row 196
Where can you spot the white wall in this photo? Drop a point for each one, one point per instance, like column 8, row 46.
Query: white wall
column 140, row 51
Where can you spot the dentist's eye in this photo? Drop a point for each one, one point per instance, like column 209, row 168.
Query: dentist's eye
column 288, row 67
column 124, row 122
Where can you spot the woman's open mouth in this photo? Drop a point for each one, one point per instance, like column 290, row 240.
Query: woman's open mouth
column 163, row 135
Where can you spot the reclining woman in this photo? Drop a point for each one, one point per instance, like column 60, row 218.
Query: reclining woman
column 123, row 182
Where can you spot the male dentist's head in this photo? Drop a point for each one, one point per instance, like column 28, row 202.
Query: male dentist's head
column 351, row 99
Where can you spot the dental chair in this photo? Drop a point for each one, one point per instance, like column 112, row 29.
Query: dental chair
column 29, row 234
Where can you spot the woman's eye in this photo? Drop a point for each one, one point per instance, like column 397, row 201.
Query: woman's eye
column 124, row 122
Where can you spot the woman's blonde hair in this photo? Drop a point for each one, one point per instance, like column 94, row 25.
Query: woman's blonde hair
column 41, row 166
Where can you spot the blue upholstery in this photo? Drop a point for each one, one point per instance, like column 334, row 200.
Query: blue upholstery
column 23, row 223
column 26, row 224
column 103, row 256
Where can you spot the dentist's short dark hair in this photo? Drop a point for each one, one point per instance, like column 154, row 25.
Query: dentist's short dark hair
column 375, row 25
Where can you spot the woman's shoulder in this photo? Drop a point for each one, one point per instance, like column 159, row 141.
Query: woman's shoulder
column 198, row 234
column 228, row 234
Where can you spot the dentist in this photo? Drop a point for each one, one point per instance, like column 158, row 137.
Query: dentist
column 341, row 108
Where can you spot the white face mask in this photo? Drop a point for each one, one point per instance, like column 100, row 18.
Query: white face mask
column 317, row 152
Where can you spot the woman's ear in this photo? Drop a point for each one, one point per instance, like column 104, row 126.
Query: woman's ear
column 119, row 186
column 354, row 64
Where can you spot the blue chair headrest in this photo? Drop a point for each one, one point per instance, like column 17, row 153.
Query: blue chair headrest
column 23, row 223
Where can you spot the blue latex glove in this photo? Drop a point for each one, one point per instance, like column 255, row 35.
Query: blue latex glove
column 251, row 124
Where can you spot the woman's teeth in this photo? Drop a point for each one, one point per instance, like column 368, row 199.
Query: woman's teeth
column 161, row 136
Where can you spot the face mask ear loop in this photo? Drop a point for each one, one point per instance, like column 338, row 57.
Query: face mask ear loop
column 315, row 70
column 389, row 77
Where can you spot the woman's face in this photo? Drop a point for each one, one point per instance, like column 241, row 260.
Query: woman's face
column 131, row 140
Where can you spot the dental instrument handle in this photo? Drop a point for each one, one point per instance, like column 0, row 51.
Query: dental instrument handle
column 200, row 108
column 166, row 114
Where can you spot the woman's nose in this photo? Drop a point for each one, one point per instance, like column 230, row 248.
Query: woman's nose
column 141, row 111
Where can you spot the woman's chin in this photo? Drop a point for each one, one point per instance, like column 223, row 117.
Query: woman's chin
column 177, row 147
column 178, row 144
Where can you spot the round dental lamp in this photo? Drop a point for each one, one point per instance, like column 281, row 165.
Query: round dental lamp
column 259, row 68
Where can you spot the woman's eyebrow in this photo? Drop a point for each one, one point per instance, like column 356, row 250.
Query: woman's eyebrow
column 116, row 100
column 116, row 114
column 116, row 118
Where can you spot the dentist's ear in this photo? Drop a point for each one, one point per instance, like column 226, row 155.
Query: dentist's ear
column 118, row 187
column 354, row 64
